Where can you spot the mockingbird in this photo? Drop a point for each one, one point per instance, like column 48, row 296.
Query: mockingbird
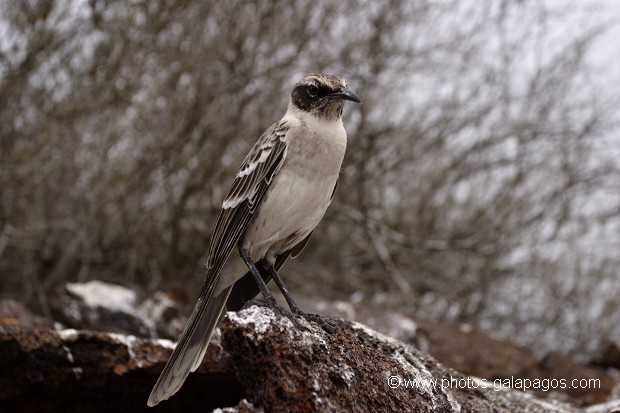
column 278, row 197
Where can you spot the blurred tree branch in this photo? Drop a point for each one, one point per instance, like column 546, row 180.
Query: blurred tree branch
column 476, row 166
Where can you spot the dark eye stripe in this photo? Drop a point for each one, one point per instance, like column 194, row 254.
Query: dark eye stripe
column 308, row 95
column 313, row 90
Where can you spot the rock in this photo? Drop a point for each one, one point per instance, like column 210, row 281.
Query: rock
column 585, row 385
column 354, row 369
column 107, row 307
column 165, row 314
column 264, row 364
column 610, row 356
column 70, row 370
column 96, row 305
column 244, row 406
column 476, row 353
column 13, row 313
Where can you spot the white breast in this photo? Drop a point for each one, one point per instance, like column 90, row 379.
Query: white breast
column 300, row 193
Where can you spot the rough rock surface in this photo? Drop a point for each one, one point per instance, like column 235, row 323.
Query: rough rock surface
column 96, row 305
column 354, row 369
column 264, row 364
column 87, row 371
column 610, row 355
column 476, row 353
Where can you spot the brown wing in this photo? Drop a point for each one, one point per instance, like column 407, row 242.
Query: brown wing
column 247, row 191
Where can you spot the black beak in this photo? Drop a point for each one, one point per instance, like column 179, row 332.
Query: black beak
column 346, row 94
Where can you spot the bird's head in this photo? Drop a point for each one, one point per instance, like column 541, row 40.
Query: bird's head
column 322, row 95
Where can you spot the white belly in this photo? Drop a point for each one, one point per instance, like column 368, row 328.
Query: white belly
column 292, row 208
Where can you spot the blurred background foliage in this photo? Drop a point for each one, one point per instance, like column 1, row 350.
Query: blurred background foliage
column 480, row 183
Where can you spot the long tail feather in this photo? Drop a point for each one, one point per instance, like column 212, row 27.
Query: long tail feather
column 191, row 348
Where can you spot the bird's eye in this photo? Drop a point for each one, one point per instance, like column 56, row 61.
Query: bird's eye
column 313, row 90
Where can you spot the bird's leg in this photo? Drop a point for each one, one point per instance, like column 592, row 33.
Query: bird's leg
column 287, row 296
column 327, row 326
column 246, row 255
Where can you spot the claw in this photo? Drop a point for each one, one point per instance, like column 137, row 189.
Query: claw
column 324, row 322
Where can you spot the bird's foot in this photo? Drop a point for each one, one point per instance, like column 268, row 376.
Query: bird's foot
column 296, row 314
column 324, row 322
column 293, row 317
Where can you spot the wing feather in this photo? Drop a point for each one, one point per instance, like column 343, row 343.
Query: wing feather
column 249, row 187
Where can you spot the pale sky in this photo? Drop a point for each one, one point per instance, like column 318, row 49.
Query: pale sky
column 606, row 52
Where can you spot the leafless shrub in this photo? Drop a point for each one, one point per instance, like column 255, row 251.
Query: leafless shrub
column 469, row 178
